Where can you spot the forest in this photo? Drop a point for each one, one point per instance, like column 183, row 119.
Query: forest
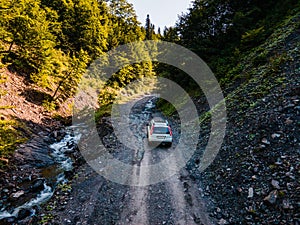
column 53, row 42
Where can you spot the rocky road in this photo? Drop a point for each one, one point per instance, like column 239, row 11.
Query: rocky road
column 96, row 200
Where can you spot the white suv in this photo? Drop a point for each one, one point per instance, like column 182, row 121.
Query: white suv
column 159, row 131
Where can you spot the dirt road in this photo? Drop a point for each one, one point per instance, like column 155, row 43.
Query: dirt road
column 95, row 200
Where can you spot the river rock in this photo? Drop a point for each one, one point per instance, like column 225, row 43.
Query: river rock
column 38, row 185
column 222, row 222
column 271, row 198
column 69, row 174
column 265, row 141
column 70, row 144
column 275, row 184
column 17, row 194
column 286, row 204
column 275, row 135
column 34, row 153
column 58, row 134
column 9, row 220
column 250, row 192
column 23, row 213
column 5, row 190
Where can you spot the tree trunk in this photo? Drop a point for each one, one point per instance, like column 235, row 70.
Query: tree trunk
column 10, row 47
column 59, row 85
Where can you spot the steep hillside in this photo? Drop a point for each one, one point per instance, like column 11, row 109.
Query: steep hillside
column 255, row 177
column 23, row 113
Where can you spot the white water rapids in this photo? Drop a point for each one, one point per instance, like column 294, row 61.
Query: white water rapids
column 64, row 162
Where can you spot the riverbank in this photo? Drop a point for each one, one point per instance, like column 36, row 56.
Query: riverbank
column 23, row 115
column 31, row 129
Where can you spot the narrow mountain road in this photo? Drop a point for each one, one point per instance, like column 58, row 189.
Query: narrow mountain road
column 95, row 200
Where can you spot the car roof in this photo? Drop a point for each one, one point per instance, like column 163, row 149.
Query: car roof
column 160, row 121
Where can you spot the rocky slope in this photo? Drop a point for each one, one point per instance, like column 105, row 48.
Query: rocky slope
column 255, row 178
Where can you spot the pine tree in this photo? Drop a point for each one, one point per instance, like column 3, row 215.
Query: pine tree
column 148, row 28
column 26, row 26
column 84, row 25
column 125, row 27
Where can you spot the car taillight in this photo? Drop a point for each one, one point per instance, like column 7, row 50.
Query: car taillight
column 151, row 131
column 170, row 131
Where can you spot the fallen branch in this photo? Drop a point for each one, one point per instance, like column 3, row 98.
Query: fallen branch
column 3, row 159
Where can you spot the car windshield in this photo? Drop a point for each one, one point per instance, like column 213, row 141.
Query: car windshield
column 161, row 130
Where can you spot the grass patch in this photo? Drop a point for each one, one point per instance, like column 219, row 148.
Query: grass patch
column 103, row 111
column 7, row 107
column 166, row 107
column 65, row 187
column 46, row 219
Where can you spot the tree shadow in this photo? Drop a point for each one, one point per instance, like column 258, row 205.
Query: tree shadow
column 35, row 96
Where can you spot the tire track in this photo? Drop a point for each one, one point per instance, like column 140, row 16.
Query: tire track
column 188, row 208
column 137, row 211
column 174, row 201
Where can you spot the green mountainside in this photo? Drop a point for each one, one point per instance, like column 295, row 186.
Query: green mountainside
column 252, row 47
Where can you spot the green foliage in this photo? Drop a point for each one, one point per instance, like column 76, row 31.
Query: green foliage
column 150, row 29
column 65, row 187
column 205, row 117
column 83, row 25
column 253, row 37
column 54, row 41
column 254, row 57
column 124, row 28
column 46, row 218
column 104, row 110
column 262, row 77
column 276, row 61
column 123, row 23
column 221, row 32
column 165, row 107
column 107, row 96
column 127, row 72
column 260, row 58
column 55, row 65
column 10, row 137
column 68, row 81
column 3, row 79
column 27, row 31
column 170, row 35
column 49, row 105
